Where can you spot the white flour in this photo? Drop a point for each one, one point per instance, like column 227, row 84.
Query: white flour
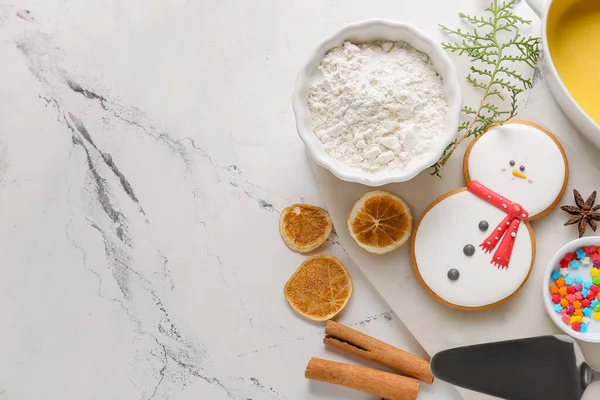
column 380, row 105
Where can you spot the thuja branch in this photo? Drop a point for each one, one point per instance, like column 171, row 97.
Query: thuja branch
column 494, row 45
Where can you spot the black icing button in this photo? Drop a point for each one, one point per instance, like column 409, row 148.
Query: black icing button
column 469, row 250
column 453, row 274
column 483, row 226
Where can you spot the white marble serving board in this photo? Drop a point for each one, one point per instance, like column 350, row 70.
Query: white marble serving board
column 439, row 327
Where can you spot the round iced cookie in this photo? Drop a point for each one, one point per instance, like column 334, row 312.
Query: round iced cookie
column 522, row 162
column 438, row 246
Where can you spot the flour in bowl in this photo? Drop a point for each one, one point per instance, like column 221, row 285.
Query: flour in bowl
column 379, row 106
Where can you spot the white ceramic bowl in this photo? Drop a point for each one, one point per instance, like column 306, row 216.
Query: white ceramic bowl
column 366, row 32
column 593, row 333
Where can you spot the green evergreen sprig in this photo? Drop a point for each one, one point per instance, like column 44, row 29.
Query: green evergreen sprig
column 494, row 45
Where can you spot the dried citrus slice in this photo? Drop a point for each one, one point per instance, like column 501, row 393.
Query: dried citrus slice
column 304, row 227
column 320, row 288
column 380, row 222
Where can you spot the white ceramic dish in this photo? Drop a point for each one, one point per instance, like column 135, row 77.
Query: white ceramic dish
column 566, row 101
column 593, row 333
column 366, row 32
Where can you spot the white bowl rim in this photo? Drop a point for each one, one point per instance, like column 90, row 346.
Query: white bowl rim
column 349, row 174
column 568, row 247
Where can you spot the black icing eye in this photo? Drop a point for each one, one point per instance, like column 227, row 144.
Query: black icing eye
column 522, row 168
column 512, row 163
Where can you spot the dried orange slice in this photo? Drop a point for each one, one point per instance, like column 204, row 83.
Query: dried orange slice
column 304, row 227
column 320, row 288
column 380, row 222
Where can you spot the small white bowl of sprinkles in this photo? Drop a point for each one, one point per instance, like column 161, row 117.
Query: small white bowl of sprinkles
column 378, row 102
column 571, row 289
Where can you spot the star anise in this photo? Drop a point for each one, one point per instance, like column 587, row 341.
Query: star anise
column 585, row 212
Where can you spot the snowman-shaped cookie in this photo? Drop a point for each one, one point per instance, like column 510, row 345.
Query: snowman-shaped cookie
column 473, row 247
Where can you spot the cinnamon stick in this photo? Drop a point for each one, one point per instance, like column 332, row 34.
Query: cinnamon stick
column 353, row 341
column 367, row 380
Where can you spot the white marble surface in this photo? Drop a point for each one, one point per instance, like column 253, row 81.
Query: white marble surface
column 146, row 148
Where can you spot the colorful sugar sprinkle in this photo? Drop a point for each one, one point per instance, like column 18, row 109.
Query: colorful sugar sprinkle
column 558, row 308
column 569, row 280
column 570, row 310
column 555, row 275
column 585, row 302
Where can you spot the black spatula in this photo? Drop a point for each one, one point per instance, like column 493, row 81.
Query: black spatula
column 538, row 368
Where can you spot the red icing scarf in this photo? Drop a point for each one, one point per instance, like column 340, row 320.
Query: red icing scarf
column 507, row 229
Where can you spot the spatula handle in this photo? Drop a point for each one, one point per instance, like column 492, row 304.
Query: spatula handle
column 588, row 375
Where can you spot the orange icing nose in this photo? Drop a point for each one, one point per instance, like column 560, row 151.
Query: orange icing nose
column 519, row 174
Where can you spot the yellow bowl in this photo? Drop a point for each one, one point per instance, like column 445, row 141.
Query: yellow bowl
column 571, row 58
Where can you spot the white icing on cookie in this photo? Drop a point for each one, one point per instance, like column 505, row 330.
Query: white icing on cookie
column 543, row 174
column 439, row 242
